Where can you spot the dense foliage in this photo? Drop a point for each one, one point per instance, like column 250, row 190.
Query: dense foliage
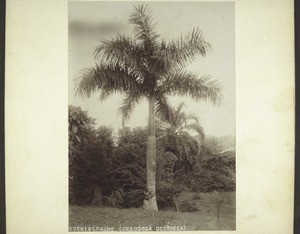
column 90, row 150
column 110, row 170
column 215, row 173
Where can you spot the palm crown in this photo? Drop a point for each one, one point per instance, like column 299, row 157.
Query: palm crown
column 146, row 66
column 174, row 134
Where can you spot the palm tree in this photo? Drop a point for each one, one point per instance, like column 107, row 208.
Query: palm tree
column 175, row 136
column 147, row 67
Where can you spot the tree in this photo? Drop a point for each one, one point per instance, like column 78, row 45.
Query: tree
column 129, row 164
column 175, row 136
column 147, row 67
column 81, row 130
column 89, row 155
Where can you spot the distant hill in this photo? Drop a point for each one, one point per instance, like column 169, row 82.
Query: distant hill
column 224, row 142
column 227, row 142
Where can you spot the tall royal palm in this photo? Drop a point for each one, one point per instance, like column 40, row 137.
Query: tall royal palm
column 146, row 66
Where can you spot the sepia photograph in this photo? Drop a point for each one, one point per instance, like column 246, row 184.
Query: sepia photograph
column 137, row 116
column 151, row 116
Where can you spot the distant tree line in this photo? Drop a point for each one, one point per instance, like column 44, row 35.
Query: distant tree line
column 110, row 169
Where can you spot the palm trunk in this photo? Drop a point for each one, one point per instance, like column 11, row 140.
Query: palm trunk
column 151, row 157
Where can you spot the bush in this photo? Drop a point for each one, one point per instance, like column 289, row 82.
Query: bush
column 134, row 198
column 166, row 192
column 165, row 167
column 112, row 172
column 215, row 173
column 166, row 187
column 116, row 199
column 129, row 165
column 90, row 151
column 96, row 195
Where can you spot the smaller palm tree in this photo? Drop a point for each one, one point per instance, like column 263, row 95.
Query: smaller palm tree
column 175, row 135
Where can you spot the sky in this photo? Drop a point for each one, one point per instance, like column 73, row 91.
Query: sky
column 90, row 22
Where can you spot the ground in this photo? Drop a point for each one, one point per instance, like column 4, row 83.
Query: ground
column 205, row 218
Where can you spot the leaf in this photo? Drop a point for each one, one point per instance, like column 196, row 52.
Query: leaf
column 78, row 139
column 74, row 128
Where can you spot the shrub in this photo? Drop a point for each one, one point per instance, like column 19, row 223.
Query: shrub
column 116, row 199
column 90, row 150
column 166, row 187
column 166, row 192
column 134, row 198
column 165, row 166
column 215, row 173
column 106, row 201
column 96, row 195
column 129, row 165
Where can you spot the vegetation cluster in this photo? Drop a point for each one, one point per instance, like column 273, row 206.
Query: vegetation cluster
column 109, row 169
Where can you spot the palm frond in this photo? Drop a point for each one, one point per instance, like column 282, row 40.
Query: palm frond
column 193, row 118
column 160, row 132
column 109, row 78
column 144, row 28
column 179, row 117
column 105, row 93
column 161, row 61
column 188, row 84
column 187, row 123
column 185, row 49
column 188, row 143
column 176, row 132
column 121, row 50
column 197, row 128
column 129, row 103
column 163, row 108
column 179, row 107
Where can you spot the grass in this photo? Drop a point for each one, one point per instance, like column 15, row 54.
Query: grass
column 113, row 219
